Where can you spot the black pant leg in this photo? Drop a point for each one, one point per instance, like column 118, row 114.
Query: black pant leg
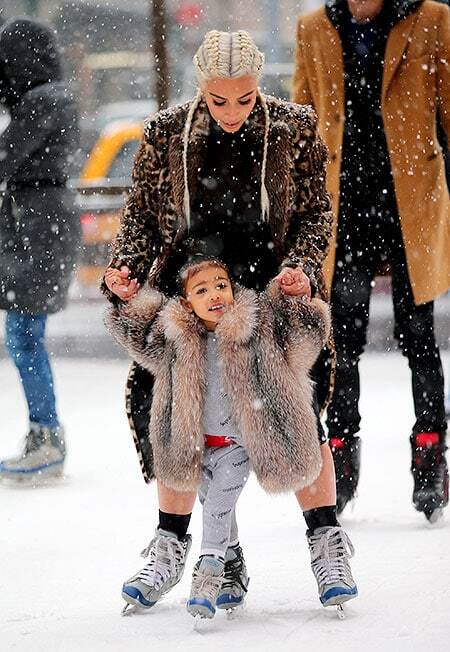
column 350, row 298
column 414, row 331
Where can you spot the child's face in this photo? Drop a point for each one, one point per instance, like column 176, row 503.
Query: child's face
column 208, row 295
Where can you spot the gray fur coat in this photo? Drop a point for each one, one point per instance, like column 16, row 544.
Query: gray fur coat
column 267, row 345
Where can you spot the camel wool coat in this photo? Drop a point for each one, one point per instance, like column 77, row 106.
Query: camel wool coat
column 267, row 344
column 416, row 85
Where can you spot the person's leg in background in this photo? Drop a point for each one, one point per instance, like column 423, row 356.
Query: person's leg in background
column 414, row 331
column 350, row 298
column 44, row 451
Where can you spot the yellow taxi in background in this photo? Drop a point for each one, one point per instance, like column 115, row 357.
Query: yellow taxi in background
column 104, row 179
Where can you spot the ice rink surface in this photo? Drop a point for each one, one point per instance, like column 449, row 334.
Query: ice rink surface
column 65, row 549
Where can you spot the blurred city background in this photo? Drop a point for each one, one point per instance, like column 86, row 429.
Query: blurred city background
column 113, row 52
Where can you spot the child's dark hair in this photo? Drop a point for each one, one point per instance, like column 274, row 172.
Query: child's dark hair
column 194, row 265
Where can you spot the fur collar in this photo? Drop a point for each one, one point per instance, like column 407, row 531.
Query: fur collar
column 237, row 325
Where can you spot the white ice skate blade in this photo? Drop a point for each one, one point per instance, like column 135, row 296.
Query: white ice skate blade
column 234, row 612
column 435, row 516
column 128, row 610
column 201, row 624
column 132, row 609
column 340, row 611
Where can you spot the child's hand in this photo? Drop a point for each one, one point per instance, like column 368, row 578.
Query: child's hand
column 294, row 282
column 118, row 281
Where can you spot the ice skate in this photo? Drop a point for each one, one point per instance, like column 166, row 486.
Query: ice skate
column 331, row 549
column 165, row 569
column 430, row 473
column 347, row 461
column 207, row 579
column 235, row 582
column 43, row 456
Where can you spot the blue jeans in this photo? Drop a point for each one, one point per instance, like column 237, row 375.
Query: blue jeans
column 26, row 346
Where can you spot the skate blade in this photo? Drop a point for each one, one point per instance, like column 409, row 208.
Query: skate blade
column 128, row 610
column 340, row 612
column 134, row 606
column 201, row 623
column 234, row 612
column 43, row 478
column 434, row 516
column 197, row 611
column 134, row 609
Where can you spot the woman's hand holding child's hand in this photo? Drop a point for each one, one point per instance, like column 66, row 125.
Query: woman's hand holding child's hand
column 294, row 282
column 118, row 281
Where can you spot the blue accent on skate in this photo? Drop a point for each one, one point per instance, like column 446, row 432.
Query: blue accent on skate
column 134, row 593
column 229, row 599
column 35, row 469
column 337, row 590
column 202, row 602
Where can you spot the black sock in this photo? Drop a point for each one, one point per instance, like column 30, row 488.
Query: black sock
column 176, row 523
column 321, row 517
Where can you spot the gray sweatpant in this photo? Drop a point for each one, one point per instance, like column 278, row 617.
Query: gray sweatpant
column 225, row 472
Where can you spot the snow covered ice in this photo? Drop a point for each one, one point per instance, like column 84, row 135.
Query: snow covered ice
column 65, row 549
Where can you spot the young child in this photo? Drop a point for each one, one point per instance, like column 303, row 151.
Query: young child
column 232, row 392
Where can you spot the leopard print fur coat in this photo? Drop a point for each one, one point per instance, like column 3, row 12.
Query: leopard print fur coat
column 300, row 218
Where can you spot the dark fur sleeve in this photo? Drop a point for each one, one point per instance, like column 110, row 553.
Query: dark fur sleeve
column 311, row 224
column 138, row 242
column 303, row 324
column 135, row 325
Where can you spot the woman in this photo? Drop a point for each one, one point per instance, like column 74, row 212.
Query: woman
column 241, row 176
column 39, row 228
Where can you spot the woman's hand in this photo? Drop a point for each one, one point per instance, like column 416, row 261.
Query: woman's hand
column 294, row 282
column 118, row 281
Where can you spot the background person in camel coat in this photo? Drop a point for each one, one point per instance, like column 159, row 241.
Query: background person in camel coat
column 378, row 75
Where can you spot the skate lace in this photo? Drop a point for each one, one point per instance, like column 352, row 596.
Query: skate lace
column 34, row 439
column 233, row 573
column 206, row 586
column 166, row 554
column 330, row 551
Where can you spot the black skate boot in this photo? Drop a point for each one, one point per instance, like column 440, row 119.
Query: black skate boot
column 235, row 582
column 347, row 457
column 430, row 473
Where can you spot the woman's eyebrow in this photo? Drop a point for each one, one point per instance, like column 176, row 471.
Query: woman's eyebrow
column 245, row 95
column 219, row 97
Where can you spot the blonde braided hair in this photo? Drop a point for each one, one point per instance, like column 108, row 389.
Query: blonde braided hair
column 227, row 55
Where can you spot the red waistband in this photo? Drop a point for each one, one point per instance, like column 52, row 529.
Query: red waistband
column 217, row 440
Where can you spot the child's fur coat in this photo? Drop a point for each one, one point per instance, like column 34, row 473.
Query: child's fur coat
column 267, row 344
